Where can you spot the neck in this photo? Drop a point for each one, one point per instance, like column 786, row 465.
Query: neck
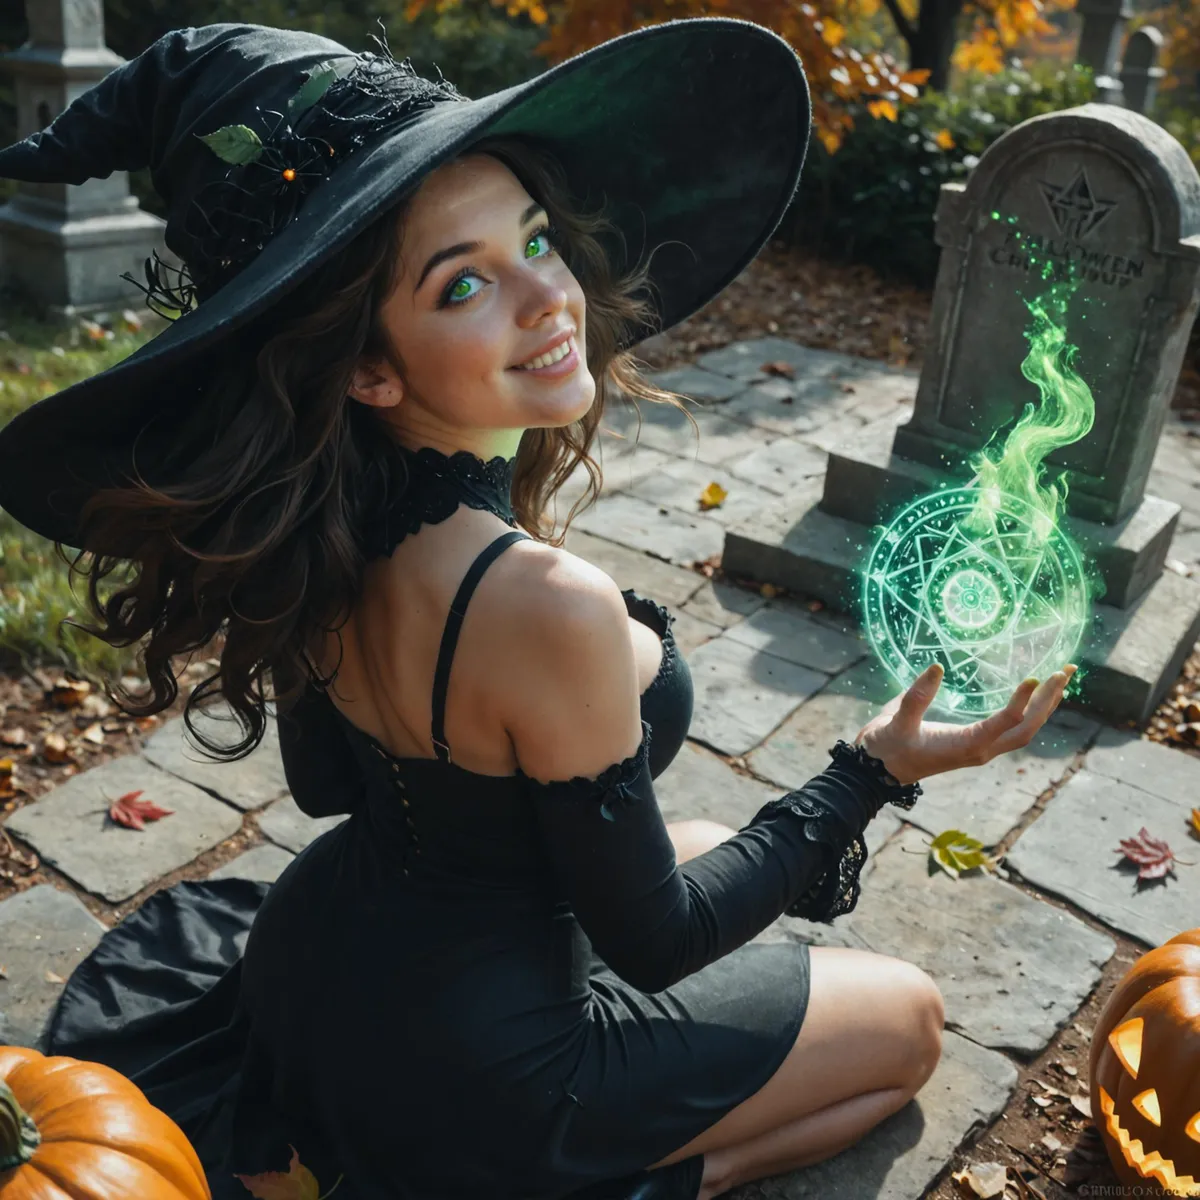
column 485, row 444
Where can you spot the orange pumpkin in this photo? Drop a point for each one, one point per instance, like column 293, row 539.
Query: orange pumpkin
column 1144, row 1073
column 72, row 1130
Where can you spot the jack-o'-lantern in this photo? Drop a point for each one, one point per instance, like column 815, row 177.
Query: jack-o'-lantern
column 1145, row 1069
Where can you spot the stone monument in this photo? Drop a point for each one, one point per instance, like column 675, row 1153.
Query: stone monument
column 1111, row 200
column 67, row 246
column 1140, row 72
column 1100, row 43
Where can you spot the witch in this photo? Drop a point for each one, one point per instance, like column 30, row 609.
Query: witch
column 399, row 318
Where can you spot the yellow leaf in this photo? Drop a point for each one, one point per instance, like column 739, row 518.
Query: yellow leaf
column 945, row 139
column 882, row 108
column 1196, row 820
column 299, row 1183
column 832, row 31
column 713, row 496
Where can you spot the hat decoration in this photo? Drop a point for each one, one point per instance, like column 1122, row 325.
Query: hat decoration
column 343, row 104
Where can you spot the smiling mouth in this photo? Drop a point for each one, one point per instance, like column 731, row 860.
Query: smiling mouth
column 548, row 360
column 1148, row 1166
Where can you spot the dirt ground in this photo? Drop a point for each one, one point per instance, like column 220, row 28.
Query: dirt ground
column 50, row 728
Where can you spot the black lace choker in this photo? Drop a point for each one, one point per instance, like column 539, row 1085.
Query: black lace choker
column 425, row 486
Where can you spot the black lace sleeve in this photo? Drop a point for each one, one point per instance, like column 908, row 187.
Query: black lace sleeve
column 654, row 921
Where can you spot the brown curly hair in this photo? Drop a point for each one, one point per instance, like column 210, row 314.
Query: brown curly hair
column 251, row 529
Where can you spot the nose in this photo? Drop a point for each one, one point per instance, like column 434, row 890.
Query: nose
column 545, row 297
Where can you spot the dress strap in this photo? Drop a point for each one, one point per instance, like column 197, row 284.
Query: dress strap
column 441, row 678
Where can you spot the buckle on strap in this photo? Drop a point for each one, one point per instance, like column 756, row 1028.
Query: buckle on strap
column 442, row 746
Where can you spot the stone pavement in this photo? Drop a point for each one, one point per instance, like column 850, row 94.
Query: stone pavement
column 775, row 685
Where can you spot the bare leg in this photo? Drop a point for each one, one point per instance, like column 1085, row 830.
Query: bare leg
column 696, row 836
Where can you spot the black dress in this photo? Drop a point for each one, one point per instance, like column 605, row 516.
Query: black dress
column 476, row 986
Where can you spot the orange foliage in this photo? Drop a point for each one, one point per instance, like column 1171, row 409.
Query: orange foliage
column 1179, row 20
column 1000, row 26
column 838, row 74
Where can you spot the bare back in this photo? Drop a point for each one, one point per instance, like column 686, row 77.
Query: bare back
column 391, row 641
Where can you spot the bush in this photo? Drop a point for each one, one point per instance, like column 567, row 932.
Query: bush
column 874, row 200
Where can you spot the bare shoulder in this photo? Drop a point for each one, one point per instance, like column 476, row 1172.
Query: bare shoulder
column 571, row 702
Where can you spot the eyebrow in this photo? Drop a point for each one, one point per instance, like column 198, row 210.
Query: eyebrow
column 469, row 247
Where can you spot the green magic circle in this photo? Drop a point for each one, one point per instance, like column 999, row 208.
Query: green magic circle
column 988, row 586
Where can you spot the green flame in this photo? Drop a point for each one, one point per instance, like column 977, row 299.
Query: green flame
column 983, row 578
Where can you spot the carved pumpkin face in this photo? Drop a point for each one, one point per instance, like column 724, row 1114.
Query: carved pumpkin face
column 1145, row 1069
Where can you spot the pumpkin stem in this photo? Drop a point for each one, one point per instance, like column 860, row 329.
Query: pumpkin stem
column 19, row 1137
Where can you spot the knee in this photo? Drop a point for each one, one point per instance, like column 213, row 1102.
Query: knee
column 926, row 1015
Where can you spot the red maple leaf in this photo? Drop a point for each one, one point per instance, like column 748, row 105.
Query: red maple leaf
column 133, row 813
column 1154, row 858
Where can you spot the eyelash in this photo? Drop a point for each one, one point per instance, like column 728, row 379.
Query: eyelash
column 551, row 235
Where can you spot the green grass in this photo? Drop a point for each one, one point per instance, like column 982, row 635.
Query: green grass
column 38, row 359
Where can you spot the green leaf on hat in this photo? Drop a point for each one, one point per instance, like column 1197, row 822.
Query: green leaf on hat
column 234, row 143
column 319, row 81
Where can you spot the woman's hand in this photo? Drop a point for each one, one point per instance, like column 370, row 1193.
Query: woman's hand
column 913, row 749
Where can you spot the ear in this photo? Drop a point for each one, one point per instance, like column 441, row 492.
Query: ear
column 376, row 382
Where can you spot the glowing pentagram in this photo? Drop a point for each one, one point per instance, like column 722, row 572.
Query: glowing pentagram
column 993, row 591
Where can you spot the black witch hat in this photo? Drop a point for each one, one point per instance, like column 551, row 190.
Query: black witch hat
column 272, row 149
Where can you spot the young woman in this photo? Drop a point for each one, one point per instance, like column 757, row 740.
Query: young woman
column 503, row 975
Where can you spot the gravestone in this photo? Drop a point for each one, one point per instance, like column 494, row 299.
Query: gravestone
column 1140, row 72
column 64, row 245
column 1100, row 32
column 1112, row 200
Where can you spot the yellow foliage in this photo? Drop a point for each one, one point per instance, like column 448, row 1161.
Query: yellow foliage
column 944, row 139
column 882, row 108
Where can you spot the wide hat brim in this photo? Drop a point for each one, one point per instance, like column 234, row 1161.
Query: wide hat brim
column 692, row 132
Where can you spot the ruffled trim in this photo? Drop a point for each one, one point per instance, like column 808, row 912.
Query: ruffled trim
column 902, row 795
column 611, row 786
column 837, row 891
column 643, row 605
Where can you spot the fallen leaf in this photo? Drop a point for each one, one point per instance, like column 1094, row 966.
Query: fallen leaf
column 133, row 813
column 1051, row 1143
column 1154, row 858
column 769, row 591
column 1072, row 1071
column 713, row 496
column 1042, row 1101
column 298, row 1183
column 54, row 748
column 3, row 972
column 51, row 977
column 779, row 368
column 94, row 734
column 954, row 851
column 68, row 693
column 984, row 1179
column 1051, row 1089
column 1196, row 821
column 1082, row 1104
column 14, row 737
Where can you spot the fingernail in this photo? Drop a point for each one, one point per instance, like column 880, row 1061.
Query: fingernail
column 1031, row 679
column 1070, row 669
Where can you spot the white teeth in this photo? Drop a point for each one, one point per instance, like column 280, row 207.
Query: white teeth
column 555, row 355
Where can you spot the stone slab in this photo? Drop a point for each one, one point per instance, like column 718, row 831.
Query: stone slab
column 248, row 784
column 1072, row 850
column 705, row 387
column 1181, row 491
column 742, row 694
column 788, row 632
column 715, row 439
column 723, row 603
column 1129, row 758
column 780, row 466
column 1177, row 453
column 263, row 863
column 617, row 472
column 1129, row 657
column 679, row 484
column 285, row 825
column 745, row 359
column 667, row 533
column 666, row 583
column 780, row 408
column 799, row 748
column 988, row 801
column 41, row 929
column 867, row 483
column 901, row 1157
column 796, row 545
column 70, row 827
column 1012, row 969
column 691, row 632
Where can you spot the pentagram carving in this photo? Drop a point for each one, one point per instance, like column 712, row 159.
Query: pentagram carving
column 1076, row 209
column 994, row 591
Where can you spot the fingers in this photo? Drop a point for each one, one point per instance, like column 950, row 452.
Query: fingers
column 920, row 694
column 1009, row 717
column 1042, row 703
